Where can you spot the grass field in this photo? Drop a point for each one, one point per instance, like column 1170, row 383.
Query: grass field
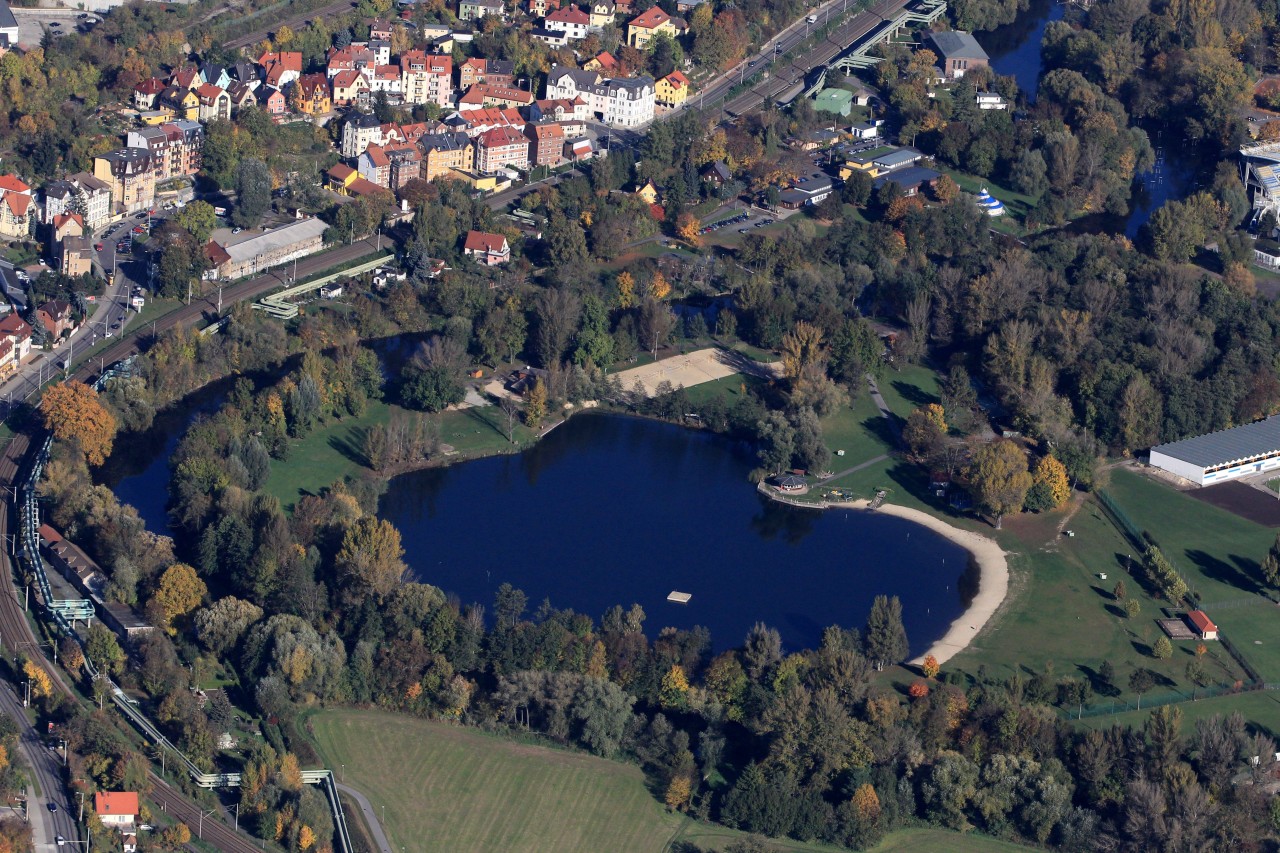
column 1218, row 554
column 1260, row 708
column 1032, row 637
column 908, row 388
column 333, row 451
column 859, row 430
column 469, row 791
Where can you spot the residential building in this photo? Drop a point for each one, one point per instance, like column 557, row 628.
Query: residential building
column 475, row 122
column 8, row 28
column 272, row 100
column 957, row 53
column 649, row 23
column 389, row 79
column 621, row 101
column 990, row 101
column 8, row 353
column 186, row 78
column 80, row 193
column 426, row 79
column 647, row 192
column 474, row 10
column 442, row 153
column 17, row 331
column 602, row 62
column 542, row 8
column 119, row 810
column 66, row 225
column 551, row 38
column 129, row 173
column 184, row 102
column 56, row 317
column 717, row 173
column 570, row 20
column 246, row 72
column 672, row 90
column 348, row 86
column 546, row 144
column 487, row 249
column 241, row 95
column 359, row 131
column 602, row 13
column 560, row 110
column 495, row 72
column 282, row 68
column 404, row 164
column 380, row 28
column 146, row 93
column 340, row 177
column 271, row 248
column 16, row 209
column 75, row 256
column 215, row 75
column 373, row 165
column 186, row 146
column 501, row 147
column 486, row 95
column 313, row 94
column 215, row 103
column 381, row 51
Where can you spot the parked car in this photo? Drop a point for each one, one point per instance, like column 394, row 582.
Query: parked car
column 97, row 247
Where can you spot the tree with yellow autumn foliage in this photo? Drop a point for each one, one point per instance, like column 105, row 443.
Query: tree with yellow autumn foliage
column 626, row 290
column 72, row 411
column 801, row 347
column 675, row 688
column 180, row 591
column 689, row 229
column 659, row 287
column 679, row 791
column 1050, row 487
column 41, row 683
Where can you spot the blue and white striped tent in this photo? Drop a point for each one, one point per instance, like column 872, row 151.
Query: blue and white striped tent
column 990, row 204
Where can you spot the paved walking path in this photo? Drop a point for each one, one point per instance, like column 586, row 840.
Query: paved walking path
column 885, row 411
column 370, row 820
column 858, row 467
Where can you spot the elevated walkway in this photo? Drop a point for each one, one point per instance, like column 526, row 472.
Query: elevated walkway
column 913, row 16
column 278, row 304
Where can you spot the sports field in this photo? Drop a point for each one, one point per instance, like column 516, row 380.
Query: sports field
column 1261, row 708
column 458, row 789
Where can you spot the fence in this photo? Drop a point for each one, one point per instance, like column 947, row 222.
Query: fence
column 1140, row 539
column 1150, row 701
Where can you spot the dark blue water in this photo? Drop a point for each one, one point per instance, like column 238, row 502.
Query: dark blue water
column 1014, row 49
column 138, row 469
column 611, row 510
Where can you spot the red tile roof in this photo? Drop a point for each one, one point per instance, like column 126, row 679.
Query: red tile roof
column 570, row 15
column 17, row 202
column 480, row 241
column 13, row 183
column 116, row 803
column 677, row 79
column 650, row 18
column 150, row 86
column 1201, row 621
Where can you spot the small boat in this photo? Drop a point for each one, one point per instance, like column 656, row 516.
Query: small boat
column 679, row 597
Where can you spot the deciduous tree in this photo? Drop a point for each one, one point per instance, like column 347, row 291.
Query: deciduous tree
column 1000, row 478
column 179, row 592
column 73, row 411
column 370, row 555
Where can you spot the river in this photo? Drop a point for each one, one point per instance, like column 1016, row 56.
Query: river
column 1015, row 50
column 614, row 510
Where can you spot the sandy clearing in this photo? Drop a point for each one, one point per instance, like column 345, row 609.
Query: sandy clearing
column 695, row 368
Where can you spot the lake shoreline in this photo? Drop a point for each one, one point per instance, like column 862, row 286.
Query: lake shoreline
column 993, row 571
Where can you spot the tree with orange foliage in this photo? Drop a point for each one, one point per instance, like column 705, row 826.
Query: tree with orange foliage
column 74, row 411
column 659, row 287
column 945, row 189
column 930, row 667
column 919, row 690
column 866, row 803
column 626, row 289
column 901, row 206
column 689, row 229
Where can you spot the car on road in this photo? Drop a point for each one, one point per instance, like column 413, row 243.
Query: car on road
column 53, row 807
column 141, row 229
column 236, row 230
column 55, row 24
column 97, row 247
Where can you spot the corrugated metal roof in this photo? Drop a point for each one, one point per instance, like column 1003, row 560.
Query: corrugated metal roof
column 1228, row 445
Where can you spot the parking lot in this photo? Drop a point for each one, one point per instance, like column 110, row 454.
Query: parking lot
column 34, row 23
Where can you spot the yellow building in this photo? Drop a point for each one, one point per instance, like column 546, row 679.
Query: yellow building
column 155, row 118
column 649, row 23
column 672, row 90
column 445, row 155
column 184, row 103
column 341, row 177
column 482, row 183
column 131, row 177
column 648, row 192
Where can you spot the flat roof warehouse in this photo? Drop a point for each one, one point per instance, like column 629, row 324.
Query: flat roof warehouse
column 1229, row 453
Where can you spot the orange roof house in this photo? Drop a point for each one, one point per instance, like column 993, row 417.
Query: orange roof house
column 1203, row 624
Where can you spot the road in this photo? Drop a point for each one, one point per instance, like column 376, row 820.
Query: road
column 45, row 825
column 370, row 817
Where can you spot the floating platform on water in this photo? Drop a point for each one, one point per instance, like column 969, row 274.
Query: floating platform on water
column 679, row 597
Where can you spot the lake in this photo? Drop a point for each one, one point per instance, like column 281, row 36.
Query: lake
column 614, row 510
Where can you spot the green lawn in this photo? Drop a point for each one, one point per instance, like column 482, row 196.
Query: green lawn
column 1057, row 599
column 908, row 388
column 859, row 430
column 1016, row 204
column 729, row 387
column 1261, row 708
column 471, row 791
column 333, row 451
column 1218, row 554
column 468, row 791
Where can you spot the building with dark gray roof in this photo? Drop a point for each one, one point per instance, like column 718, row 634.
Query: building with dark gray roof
column 8, row 26
column 957, row 52
column 1224, row 455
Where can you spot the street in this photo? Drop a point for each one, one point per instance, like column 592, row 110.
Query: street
column 47, row 775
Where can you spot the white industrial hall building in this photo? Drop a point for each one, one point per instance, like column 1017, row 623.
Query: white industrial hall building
column 1224, row 455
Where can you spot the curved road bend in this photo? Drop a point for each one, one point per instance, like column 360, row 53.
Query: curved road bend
column 370, row 818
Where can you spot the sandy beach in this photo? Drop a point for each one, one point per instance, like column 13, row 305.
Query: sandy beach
column 993, row 569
